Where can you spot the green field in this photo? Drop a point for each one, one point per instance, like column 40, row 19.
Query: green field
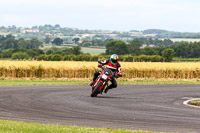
column 27, row 127
column 93, row 51
column 67, row 82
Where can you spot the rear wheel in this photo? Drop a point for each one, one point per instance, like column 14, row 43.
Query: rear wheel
column 96, row 90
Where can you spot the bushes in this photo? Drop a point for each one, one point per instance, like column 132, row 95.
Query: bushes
column 55, row 57
column 20, row 56
column 85, row 57
column 128, row 58
column 149, row 58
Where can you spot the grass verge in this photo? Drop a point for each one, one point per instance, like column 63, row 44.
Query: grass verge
column 195, row 102
column 68, row 82
column 28, row 127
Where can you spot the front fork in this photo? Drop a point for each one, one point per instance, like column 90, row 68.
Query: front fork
column 102, row 87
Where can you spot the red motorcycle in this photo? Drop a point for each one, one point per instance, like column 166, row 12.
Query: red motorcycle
column 101, row 81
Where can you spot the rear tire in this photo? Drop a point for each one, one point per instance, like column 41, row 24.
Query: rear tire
column 96, row 89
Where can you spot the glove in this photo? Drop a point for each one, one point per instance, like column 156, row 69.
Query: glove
column 119, row 74
column 116, row 75
column 99, row 65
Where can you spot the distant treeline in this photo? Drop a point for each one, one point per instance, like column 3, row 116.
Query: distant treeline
column 22, row 53
column 9, row 41
column 145, row 41
column 85, row 57
column 29, row 49
column 69, row 54
column 171, row 34
column 183, row 49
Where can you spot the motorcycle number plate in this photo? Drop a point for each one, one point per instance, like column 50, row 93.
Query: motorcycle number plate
column 104, row 76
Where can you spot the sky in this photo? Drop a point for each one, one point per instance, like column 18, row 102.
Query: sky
column 116, row 15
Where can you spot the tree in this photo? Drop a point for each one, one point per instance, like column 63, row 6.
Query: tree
column 34, row 52
column 47, row 40
column 168, row 54
column 97, row 42
column 20, row 55
column 9, row 43
column 135, row 47
column 10, row 36
column 2, row 38
column 35, row 43
column 57, row 41
column 149, row 51
column 167, row 42
column 56, row 57
column 117, row 47
column 7, row 53
column 160, row 49
column 85, row 43
column 22, row 43
column 49, row 51
column 76, row 50
column 57, row 26
column 75, row 40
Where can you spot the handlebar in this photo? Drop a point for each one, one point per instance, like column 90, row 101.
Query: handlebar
column 101, row 67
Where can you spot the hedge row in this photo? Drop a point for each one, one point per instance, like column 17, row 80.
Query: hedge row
column 125, row 58
column 186, row 59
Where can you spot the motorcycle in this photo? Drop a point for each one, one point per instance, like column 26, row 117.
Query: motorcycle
column 101, row 82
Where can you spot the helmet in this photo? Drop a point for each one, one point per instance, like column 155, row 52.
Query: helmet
column 114, row 58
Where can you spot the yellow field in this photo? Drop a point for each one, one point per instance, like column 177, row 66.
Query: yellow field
column 184, row 40
column 70, row 69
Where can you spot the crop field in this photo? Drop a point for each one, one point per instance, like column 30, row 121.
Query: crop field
column 72, row 69
column 184, row 40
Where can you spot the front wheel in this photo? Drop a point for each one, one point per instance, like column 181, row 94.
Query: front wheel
column 96, row 89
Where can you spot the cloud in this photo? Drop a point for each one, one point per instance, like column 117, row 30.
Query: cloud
column 103, row 14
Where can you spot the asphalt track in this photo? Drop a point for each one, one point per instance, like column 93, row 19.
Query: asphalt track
column 144, row 107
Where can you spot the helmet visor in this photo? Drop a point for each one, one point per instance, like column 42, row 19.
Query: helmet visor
column 114, row 61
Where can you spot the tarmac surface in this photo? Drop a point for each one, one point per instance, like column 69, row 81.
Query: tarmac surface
column 138, row 107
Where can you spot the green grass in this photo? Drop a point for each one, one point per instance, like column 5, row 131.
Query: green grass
column 195, row 102
column 27, row 127
column 66, row 82
column 93, row 51
column 40, row 82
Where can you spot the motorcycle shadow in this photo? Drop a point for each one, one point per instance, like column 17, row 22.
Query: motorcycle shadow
column 113, row 97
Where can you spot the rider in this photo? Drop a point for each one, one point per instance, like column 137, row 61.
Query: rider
column 113, row 65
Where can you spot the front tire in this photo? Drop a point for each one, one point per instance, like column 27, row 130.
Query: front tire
column 96, row 89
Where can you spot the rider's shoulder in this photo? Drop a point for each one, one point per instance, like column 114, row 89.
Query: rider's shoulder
column 118, row 64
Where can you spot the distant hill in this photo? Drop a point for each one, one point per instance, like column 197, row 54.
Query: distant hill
column 134, row 31
column 67, row 33
column 154, row 31
column 171, row 34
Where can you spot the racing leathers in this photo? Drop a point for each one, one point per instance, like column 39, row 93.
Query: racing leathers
column 116, row 69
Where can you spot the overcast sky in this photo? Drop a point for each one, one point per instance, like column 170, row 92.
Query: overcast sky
column 123, row 15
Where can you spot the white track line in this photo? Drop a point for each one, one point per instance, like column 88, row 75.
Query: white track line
column 187, row 102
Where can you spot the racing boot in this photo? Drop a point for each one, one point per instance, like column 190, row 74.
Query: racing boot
column 106, row 90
